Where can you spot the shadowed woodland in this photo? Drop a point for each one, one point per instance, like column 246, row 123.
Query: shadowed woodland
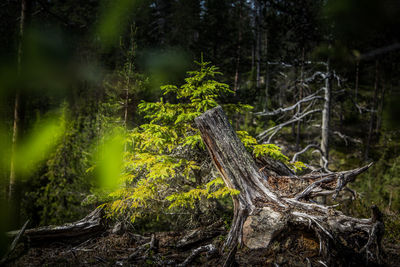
column 199, row 133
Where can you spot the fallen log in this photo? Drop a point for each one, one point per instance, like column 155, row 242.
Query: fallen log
column 70, row 232
column 269, row 204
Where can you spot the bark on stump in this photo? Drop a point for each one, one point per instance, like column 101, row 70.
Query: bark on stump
column 273, row 201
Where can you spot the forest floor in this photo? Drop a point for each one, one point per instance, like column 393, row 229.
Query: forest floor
column 177, row 249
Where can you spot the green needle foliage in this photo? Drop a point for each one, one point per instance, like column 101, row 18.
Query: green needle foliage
column 166, row 167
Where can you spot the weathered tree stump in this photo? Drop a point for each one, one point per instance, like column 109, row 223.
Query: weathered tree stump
column 272, row 201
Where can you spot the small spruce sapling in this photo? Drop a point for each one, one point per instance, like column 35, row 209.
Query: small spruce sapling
column 165, row 166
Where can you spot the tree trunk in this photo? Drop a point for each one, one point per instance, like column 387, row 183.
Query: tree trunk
column 356, row 85
column 381, row 107
column 373, row 112
column 258, row 42
column 300, row 97
column 238, row 49
column 326, row 115
column 266, row 73
column 12, row 184
column 12, row 188
column 268, row 205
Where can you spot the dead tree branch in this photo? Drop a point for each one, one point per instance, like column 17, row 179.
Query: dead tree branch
column 274, row 130
column 14, row 243
column 283, row 110
column 210, row 249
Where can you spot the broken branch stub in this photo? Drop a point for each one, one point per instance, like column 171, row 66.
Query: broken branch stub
column 269, row 205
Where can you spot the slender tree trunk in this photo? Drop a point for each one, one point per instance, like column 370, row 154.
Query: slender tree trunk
column 13, row 190
column 356, row 85
column 300, row 97
column 326, row 114
column 126, row 100
column 266, row 73
column 374, row 111
column 252, row 57
column 238, row 50
column 341, row 116
column 381, row 106
column 281, row 95
column 128, row 80
column 12, row 182
column 258, row 42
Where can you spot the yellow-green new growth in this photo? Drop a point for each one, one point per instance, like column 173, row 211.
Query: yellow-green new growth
column 164, row 163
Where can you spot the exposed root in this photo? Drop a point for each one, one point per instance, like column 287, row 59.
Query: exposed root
column 196, row 236
column 210, row 249
column 230, row 259
column 143, row 250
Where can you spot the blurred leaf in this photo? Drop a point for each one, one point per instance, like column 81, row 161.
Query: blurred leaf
column 114, row 19
column 39, row 144
column 109, row 160
column 5, row 145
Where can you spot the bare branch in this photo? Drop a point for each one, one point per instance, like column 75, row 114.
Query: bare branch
column 272, row 131
column 379, row 51
column 316, row 75
column 325, row 160
column 306, row 192
column 303, row 151
column 283, row 64
column 14, row 243
column 316, row 62
column 347, row 138
column 210, row 249
column 282, row 110
column 342, row 179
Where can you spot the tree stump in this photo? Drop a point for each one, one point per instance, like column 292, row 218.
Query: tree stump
column 275, row 201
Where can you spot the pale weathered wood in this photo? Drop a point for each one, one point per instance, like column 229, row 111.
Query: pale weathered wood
column 236, row 166
column 268, row 205
column 91, row 224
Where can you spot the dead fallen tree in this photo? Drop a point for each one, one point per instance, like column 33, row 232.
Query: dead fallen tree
column 71, row 232
column 270, row 205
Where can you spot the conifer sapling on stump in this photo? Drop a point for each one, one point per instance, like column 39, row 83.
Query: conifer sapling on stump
column 269, row 205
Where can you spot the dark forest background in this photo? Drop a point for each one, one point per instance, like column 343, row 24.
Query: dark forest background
column 72, row 70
